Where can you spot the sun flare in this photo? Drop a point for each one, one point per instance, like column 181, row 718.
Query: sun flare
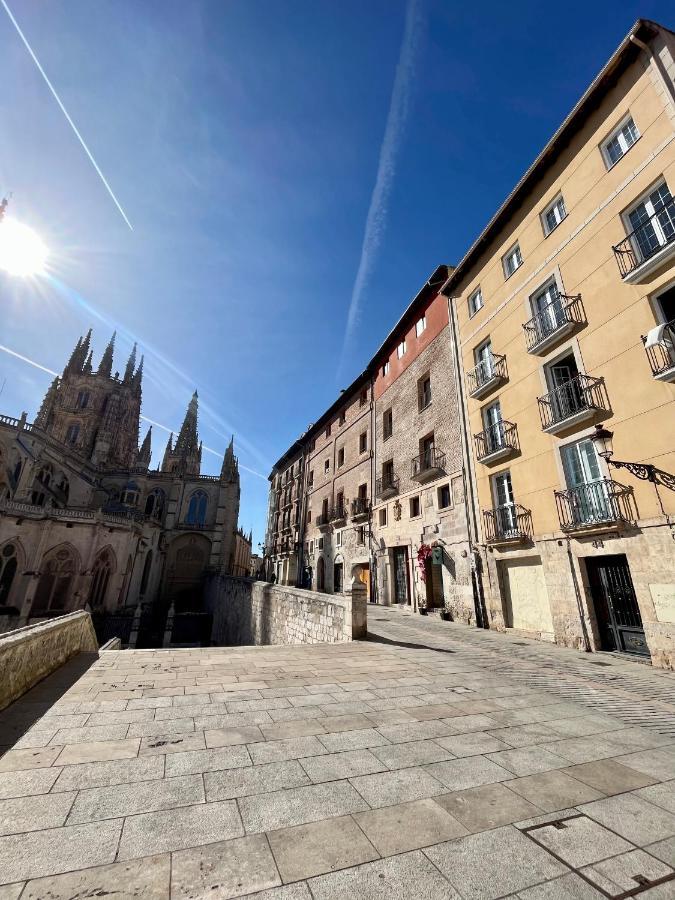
column 22, row 251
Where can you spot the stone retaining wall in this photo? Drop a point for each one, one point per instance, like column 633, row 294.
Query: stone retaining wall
column 27, row 655
column 255, row 612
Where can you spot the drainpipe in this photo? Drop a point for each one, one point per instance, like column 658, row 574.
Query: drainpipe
column 658, row 65
column 467, row 473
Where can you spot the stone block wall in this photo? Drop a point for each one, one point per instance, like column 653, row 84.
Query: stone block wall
column 247, row 612
column 27, row 655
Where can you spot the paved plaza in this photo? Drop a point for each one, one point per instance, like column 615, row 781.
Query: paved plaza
column 432, row 761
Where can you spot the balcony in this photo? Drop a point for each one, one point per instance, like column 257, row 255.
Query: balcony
column 651, row 245
column 386, row 487
column 601, row 505
column 323, row 522
column 573, row 402
column 496, row 442
column 509, row 524
column 360, row 509
column 487, row 375
column 661, row 352
column 338, row 515
column 556, row 320
column 428, row 465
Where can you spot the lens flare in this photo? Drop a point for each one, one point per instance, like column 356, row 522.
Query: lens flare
column 22, row 251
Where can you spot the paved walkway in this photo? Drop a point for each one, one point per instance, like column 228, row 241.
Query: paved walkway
column 433, row 761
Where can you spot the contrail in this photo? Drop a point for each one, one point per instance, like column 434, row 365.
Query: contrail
column 37, row 365
column 376, row 219
column 65, row 112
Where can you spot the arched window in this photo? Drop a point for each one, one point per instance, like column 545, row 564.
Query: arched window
column 73, row 433
column 56, row 580
column 17, row 470
column 63, row 487
column 103, row 568
column 83, row 400
column 197, row 509
column 130, row 494
column 8, row 566
column 154, row 504
column 44, row 477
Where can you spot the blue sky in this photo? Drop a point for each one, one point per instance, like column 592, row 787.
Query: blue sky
column 281, row 163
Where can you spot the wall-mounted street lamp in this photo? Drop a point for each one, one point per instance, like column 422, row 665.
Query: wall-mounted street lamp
column 602, row 438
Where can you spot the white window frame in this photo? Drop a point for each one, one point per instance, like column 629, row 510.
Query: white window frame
column 514, row 250
column 645, row 200
column 553, row 207
column 617, row 133
column 338, row 538
column 400, row 350
column 311, row 548
column 475, row 306
column 385, row 369
column 420, row 326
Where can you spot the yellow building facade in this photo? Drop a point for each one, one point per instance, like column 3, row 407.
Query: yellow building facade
column 560, row 312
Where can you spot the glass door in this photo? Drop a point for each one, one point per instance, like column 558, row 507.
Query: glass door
column 507, row 521
column 494, row 427
column 549, row 310
column 590, row 495
column 484, row 363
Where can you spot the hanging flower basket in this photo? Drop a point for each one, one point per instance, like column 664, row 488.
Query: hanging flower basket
column 422, row 555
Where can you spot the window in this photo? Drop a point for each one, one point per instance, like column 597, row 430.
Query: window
column 312, row 446
column 361, row 535
column 620, row 142
column 485, row 364
column 326, row 467
column 197, row 509
column 421, row 326
column 328, row 430
column 311, row 548
column 512, row 260
column 383, row 517
column 553, row 215
column 363, row 399
column 338, row 538
column 154, row 504
column 475, row 302
column 72, row 434
column 363, row 442
column 385, row 369
column 495, row 437
column 311, row 478
column 101, row 572
column 414, row 507
column 444, row 496
column 340, row 502
column 309, row 516
column 363, row 492
column 83, row 400
column 341, row 457
column 387, row 424
column 56, row 576
column 505, row 508
column 343, row 417
column 320, row 543
column 8, row 567
column 652, row 221
column 424, row 392
column 400, row 350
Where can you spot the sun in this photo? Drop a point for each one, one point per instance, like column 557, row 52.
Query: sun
column 22, row 251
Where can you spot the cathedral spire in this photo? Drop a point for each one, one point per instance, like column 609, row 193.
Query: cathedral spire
column 131, row 365
column 75, row 358
column 187, row 440
column 168, row 452
column 105, row 367
column 138, row 375
column 47, row 406
column 88, row 364
column 229, row 469
column 145, row 453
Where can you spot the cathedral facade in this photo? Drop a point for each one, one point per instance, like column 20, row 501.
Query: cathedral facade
column 85, row 522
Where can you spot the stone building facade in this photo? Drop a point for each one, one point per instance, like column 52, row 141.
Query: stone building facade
column 85, row 522
column 241, row 562
column 285, row 512
column 565, row 314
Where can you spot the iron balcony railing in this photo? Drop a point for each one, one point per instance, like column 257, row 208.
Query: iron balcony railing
column 655, row 233
column 571, row 398
column 661, row 356
column 322, row 520
column 502, row 435
column 556, row 315
column 386, row 485
column 337, row 513
column 511, row 522
column 488, row 370
column 429, row 459
column 360, row 507
column 602, row 502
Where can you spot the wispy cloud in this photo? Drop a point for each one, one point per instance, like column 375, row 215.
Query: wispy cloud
column 37, row 365
column 65, row 112
column 376, row 219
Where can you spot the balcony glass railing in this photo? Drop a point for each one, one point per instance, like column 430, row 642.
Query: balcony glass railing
column 602, row 502
column 554, row 317
column 575, row 396
column 488, row 371
column 502, row 435
column 655, row 233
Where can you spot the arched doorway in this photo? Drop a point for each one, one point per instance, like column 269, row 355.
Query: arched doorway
column 186, row 562
column 321, row 575
column 57, row 573
column 103, row 568
column 9, row 564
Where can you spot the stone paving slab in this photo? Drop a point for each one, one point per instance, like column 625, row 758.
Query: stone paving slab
column 359, row 770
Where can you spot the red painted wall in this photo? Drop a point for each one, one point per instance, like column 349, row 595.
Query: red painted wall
column 436, row 313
